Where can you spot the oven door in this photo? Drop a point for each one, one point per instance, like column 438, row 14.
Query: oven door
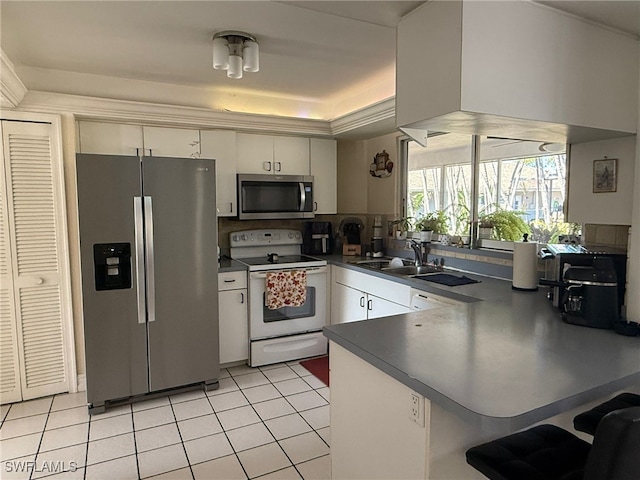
column 266, row 323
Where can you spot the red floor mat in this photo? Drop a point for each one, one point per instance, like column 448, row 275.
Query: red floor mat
column 319, row 367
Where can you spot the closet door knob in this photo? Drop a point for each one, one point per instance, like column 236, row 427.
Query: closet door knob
column 39, row 281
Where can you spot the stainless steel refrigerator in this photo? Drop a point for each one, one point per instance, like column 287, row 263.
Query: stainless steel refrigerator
column 148, row 236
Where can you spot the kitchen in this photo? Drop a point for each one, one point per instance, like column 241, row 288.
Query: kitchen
column 367, row 198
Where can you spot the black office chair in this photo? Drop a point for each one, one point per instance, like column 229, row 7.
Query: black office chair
column 588, row 421
column 547, row 452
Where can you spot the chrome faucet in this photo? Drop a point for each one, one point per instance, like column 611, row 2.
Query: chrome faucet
column 417, row 250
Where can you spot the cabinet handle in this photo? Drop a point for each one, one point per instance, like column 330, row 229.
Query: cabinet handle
column 230, row 207
column 267, row 166
column 362, row 302
column 230, row 281
column 315, row 206
column 278, row 166
column 241, row 297
column 370, row 305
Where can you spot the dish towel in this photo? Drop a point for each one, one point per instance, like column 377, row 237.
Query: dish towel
column 287, row 288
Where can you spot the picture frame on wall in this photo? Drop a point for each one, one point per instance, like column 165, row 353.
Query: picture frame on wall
column 605, row 175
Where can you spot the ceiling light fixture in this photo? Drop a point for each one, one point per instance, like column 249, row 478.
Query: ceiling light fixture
column 234, row 52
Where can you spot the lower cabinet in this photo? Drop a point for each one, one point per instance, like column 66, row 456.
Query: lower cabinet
column 357, row 296
column 352, row 304
column 232, row 317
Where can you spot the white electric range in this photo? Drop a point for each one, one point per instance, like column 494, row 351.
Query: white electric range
column 287, row 333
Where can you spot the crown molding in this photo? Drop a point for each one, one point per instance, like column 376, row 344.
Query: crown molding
column 94, row 108
column 12, row 90
column 383, row 110
column 127, row 111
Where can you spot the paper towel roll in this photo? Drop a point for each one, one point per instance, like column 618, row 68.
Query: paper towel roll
column 525, row 266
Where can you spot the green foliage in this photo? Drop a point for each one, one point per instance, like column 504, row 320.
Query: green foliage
column 549, row 233
column 435, row 221
column 507, row 225
column 403, row 224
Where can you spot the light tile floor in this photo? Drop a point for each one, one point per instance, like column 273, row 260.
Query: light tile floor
column 270, row 422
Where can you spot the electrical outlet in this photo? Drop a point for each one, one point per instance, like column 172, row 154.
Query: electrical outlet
column 417, row 409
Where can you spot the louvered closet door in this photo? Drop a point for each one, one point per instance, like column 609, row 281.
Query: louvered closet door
column 34, row 239
column 10, row 390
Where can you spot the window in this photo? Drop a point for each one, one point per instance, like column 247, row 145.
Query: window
column 513, row 175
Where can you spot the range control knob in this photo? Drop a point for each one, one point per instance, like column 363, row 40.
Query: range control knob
column 243, row 237
column 298, row 235
column 234, row 238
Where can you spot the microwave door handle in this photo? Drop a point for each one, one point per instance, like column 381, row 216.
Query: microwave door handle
column 303, row 196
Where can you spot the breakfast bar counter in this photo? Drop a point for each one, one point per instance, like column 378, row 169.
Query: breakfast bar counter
column 473, row 372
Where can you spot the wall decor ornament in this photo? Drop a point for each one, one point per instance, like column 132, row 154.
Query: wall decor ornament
column 381, row 166
column 605, row 175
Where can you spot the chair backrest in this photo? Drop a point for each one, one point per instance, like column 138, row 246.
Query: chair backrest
column 615, row 454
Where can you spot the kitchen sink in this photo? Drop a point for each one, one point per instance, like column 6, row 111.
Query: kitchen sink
column 376, row 263
column 412, row 270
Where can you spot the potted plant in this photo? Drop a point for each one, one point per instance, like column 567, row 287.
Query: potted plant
column 507, row 225
column 435, row 222
column 402, row 226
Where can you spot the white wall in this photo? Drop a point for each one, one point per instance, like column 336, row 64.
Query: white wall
column 603, row 208
column 633, row 267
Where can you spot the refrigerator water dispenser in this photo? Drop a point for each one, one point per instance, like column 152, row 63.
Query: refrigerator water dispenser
column 112, row 265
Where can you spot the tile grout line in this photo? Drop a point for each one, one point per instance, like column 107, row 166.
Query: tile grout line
column 135, row 443
column 184, row 448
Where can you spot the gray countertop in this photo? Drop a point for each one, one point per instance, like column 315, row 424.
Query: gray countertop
column 227, row 264
column 505, row 362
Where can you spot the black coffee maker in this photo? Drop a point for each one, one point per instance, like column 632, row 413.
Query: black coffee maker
column 591, row 294
column 318, row 239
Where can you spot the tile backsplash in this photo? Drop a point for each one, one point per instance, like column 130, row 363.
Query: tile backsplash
column 606, row 235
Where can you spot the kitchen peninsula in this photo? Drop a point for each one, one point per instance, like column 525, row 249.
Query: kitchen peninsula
column 410, row 393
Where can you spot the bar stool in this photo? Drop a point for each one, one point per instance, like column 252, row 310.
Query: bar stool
column 588, row 421
column 547, row 452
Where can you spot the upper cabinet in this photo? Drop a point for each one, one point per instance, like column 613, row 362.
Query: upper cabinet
column 221, row 146
column 171, row 142
column 120, row 139
column 540, row 74
column 324, row 165
column 109, row 138
column 271, row 154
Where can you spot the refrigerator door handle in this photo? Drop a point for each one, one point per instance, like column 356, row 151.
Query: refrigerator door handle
column 139, row 249
column 150, row 277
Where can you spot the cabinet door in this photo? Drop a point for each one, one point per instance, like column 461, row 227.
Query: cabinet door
column 323, row 159
column 221, row 146
column 291, row 155
column 234, row 328
column 109, row 138
column 378, row 307
column 171, row 142
column 347, row 304
column 254, row 153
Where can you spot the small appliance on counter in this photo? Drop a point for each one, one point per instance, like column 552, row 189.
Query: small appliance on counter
column 376, row 239
column 591, row 294
column 318, row 239
column 351, row 228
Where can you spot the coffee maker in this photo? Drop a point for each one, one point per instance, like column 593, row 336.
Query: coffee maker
column 317, row 238
column 590, row 295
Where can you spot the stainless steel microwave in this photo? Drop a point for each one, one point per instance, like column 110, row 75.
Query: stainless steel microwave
column 275, row 196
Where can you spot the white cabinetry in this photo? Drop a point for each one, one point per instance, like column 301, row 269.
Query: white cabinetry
column 119, row 139
column 171, row 142
column 279, row 155
column 109, row 138
column 221, row 145
column 232, row 310
column 358, row 296
column 324, row 165
column 36, row 337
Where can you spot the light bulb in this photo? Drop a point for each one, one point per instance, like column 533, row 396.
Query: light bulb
column 250, row 54
column 235, row 67
column 220, row 53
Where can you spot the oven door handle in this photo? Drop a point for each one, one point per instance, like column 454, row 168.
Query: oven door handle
column 310, row 271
